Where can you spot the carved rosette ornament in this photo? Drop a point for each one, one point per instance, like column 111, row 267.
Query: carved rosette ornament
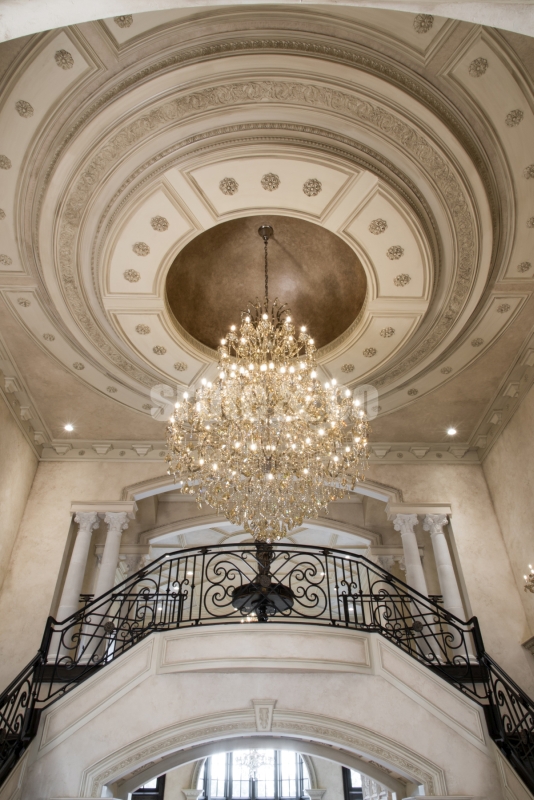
column 6, row 261
column 5, row 162
column 386, row 333
column 369, row 352
column 132, row 275
column 524, row 266
column 78, row 365
column 514, row 117
column 413, row 392
column 378, row 226
column 63, row 59
column 478, row 67
column 159, row 350
column 270, row 182
column 147, row 407
column 24, row 109
column 312, row 187
column 446, row 370
column 530, row 222
column 180, row 366
column 141, row 249
column 159, row 223
column 142, row 329
column 111, row 389
column 347, row 368
column 2, row 213
column 402, row 280
column 423, row 23
column 395, row 252
column 228, row 186
column 49, row 337
column 477, row 342
column 503, row 308
column 124, row 21
column 24, row 302
column 528, row 172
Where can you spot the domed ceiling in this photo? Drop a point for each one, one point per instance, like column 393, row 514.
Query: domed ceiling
column 391, row 152
column 312, row 271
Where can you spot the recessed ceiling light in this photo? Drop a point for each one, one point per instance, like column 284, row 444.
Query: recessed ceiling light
column 69, row 427
column 451, row 431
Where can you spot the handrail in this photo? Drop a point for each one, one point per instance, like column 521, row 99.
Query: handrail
column 225, row 584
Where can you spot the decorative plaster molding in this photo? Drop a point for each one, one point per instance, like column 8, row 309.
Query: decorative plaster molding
column 263, row 711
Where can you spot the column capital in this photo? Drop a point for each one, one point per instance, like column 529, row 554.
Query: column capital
column 104, row 507
column 87, row 520
column 117, row 521
column 392, row 509
column 405, row 523
column 435, row 523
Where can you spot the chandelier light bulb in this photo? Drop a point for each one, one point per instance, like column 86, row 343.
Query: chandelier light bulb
column 69, row 427
column 451, row 431
column 265, row 446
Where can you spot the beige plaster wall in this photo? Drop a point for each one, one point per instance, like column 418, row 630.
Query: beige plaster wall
column 18, row 463
column 489, row 578
column 38, row 552
column 509, row 471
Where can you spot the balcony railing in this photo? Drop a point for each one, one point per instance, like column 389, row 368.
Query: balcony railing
column 225, row 584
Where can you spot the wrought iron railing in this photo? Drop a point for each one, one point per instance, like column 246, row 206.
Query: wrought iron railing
column 225, row 584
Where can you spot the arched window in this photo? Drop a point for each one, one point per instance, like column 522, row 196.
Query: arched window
column 280, row 775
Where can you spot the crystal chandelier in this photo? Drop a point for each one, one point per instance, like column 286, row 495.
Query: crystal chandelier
column 266, row 444
column 252, row 760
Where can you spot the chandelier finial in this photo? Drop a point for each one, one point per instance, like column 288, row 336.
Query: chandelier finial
column 266, row 231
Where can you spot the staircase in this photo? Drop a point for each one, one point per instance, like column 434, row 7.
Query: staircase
column 257, row 583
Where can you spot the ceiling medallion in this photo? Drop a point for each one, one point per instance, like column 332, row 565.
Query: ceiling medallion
column 266, row 444
column 124, row 21
column 24, row 109
column 478, row 67
column 228, row 186
column 159, row 223
column 5, row 260
column 395, row 252
column 24, row 302
column 312, row 187
column 446, row 370
column 378, row 226
column 5, row 162
column 514, row 117
column 423, row 23
column 159, row 350
column 78, row 365
column 347, row 368
column 63, row 59
column 142, row 329
column 402, row 280
column 2, row 213
column 49, row 337
column 132, row 275
column 387, row 332
column 503, row 308
column 530, row 221
column 270, row 182
column 369, row 352
column 180, row 366
column 141, row 249
column 528, row 172
column 524, row 266
column 413, row 392
column 477, row 342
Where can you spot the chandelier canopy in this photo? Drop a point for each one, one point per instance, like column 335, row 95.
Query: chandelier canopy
column 266, row 444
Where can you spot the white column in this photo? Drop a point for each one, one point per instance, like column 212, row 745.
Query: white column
column 87, row 522
column 116, row 522
column 415, row 577
column 447, row 579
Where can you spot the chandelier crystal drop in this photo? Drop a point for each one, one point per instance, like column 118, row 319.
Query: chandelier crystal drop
column 267, row 444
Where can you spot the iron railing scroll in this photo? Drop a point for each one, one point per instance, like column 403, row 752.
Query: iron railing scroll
column 225, row 584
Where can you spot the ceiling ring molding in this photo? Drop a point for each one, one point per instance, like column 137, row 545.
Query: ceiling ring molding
column 279, row 92
column 320, row 47
column 360, row 155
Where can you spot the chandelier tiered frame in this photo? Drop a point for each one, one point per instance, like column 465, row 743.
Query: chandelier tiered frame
column 267, row 444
